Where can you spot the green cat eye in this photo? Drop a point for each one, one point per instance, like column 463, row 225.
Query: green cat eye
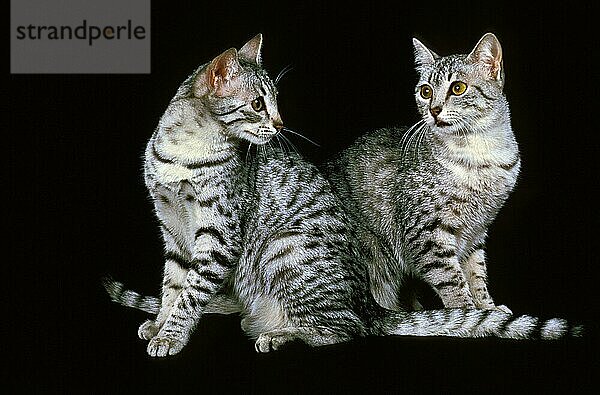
column 458, row 88
column 258, row 104
column 426, row 92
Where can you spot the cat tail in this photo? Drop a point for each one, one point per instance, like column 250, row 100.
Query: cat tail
column 219, row 304
column 475, row 323
column 129, row 298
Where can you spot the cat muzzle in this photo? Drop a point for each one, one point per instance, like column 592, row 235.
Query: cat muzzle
column 440, row 123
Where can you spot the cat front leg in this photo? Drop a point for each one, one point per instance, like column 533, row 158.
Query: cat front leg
column 174, row 277
column 219, row 304
column 171, row 218
column 210, row 265
column 202, row 282
column 436, row 261
column 475, row 270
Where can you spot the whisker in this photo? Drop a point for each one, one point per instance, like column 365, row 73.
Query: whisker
column 419, row 142
column 411, row 140
column 283, row 72
column 408, row 132
column 298, row 134
column 292, row 144
column 285, row 144
column 279, row 142
column 417, row 137
column 248, row 151
column 281, row 151
column 288, row 144
column 408, row 137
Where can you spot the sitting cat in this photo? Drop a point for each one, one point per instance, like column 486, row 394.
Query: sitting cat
column 264, row 234
column 427, row 195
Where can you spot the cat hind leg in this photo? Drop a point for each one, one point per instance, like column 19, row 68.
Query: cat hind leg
column 314, row 337
column 148, row 330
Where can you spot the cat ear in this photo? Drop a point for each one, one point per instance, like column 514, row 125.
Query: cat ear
column 423, row 55
column 488, row 54
column 222, row 71
column 251, row 50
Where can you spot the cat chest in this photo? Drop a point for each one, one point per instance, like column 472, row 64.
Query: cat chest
column 198, row 211
column 475, row 203
column 469, row 198
column 487, row 181
column 472, row 206
column 167, row 173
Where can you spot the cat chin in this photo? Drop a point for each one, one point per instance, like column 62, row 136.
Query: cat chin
column 257, row 140
column 443, row 129
column 448, row 129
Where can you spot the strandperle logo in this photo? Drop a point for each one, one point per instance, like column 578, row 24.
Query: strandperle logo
column 75, row 36
column 84, row 31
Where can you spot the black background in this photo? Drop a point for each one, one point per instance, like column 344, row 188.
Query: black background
column 78, row 207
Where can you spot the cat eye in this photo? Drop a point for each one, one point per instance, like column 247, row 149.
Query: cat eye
column 426, row 92
column 258, row 104
column 458, row 88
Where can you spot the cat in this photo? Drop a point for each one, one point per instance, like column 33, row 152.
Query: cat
column 426, row 196
column 264, row 234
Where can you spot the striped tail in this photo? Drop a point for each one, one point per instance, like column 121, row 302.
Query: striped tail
column 475, row 323
column 129, row 298
column 219, row 304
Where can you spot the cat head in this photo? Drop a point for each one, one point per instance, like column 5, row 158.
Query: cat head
column 238, row 93
column 458, row 92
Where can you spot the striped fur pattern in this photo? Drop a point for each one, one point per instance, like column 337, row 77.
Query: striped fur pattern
column 427, row 195
column 262, row 234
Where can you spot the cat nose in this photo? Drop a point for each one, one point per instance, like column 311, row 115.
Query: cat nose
column 435, row 111
column 278, row 123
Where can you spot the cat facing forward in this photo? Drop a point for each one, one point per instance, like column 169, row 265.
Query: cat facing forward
column 427, row 195
column 263, row 234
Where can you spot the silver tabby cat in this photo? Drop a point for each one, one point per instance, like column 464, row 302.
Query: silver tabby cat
column 427, row 195
column 264, row 234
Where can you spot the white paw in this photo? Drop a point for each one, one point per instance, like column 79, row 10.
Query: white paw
column 161, row 346
column 147, row 330
column 271, row 341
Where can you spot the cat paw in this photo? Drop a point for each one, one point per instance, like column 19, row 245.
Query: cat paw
column 504, row 309
column 161, row 346
column 148, row 330
column 272, row 341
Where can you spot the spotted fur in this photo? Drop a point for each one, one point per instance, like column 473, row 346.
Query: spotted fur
column 427, row 195
column 262, row 233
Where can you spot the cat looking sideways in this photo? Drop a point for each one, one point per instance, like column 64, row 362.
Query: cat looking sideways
column 264, row 234
column 427, row 195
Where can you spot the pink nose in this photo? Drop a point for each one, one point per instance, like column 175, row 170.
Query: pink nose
column 435, row 111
